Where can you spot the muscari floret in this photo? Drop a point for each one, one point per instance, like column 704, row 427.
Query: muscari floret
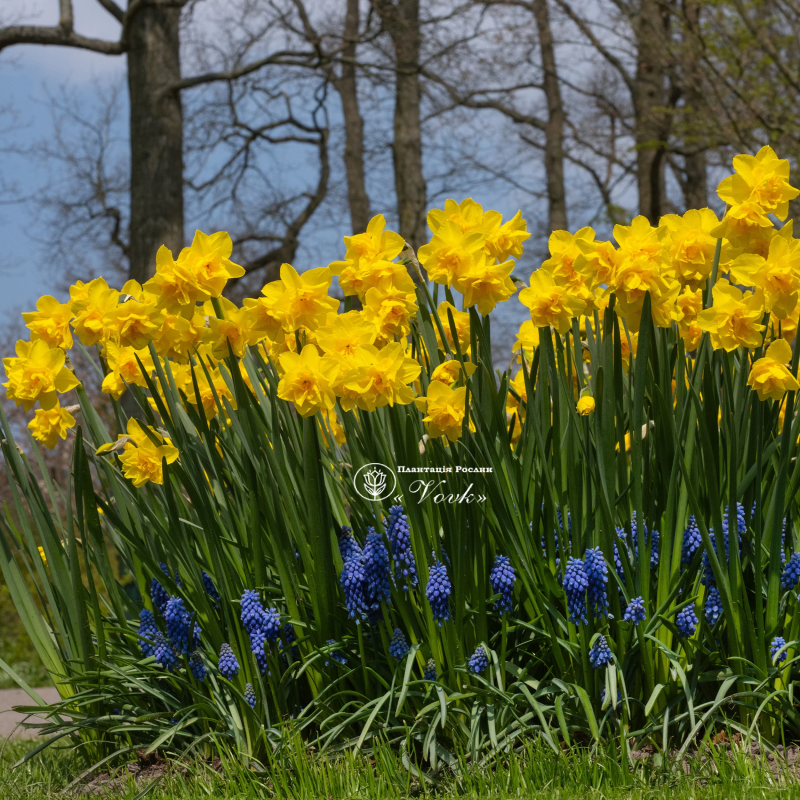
column 712, row 609
column 353, row 581
column 691, row 541
column 479, row 660
column 211, row 590
column 438, row 591
column 158, row 594
column 791, row 572
column 594, row 566
column 776, row 645
column 251, row 612
column 250, row 695
column 178, row 624
column 377, row 570
column 502, row 578
column 271, row 627
column 228, row 665
column 600, row 653
column 164, row 652
column 147, row 630
column 686, row 622
column 654, row 536
column 400, row 541
column 398, row 647
column 336, row 655
column 430, row 671
column 348, row 546
column 197, row 666
column 635, row 612
column 575, row 585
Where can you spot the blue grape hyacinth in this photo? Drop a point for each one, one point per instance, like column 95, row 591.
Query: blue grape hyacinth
column 502, row 578
column 398, row 647
column 288, row 634
column 438, row 591
column 600, row 653
column 712, row 609
column 336, row 655
column 348, row 546
column 691, row 541
column 147, row 630
column 430, row 671
column 271, row 626
column 158, row 594
column 250, row 695
column 164, row 652
column 179, row 622
column 211, row 590
column 399, row 536
column 228, row 665
column 251, row 611
column 197, row 666
column 594, row 566
column 377, row 570
column 479, row 660
column 686, row 622
column 257, row 649
column 353, row 581
column 791, row 572
column 635, row 612
column 575, row 585
column 776, row 645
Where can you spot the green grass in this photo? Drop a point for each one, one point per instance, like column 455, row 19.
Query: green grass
column 538, row 774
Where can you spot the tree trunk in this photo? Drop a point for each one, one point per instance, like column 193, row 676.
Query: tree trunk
column 347, row 87
column 401, row 21
column 652, row 124
column 695, row 187
column 554, row 129
column 156, row 127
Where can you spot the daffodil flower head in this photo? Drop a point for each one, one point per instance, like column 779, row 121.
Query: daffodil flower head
column 778, row 275
column 504, row 239
column 769, row 376
column 550, row 304
column 308, row 381
column 462, row 325
column 691, row 244
column 90, row 304
column 734, row 318
column 143, row 455
column 50, row 322
column 486, row 284
column 452, row 253
column 50, row 425
column 124, row 369
column 445, row 410
column 38, row 373
column 467, row 215
column 300, row 300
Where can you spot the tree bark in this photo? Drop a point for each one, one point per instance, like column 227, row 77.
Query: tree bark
column 156, row 131
column 652, row 122
column 346, row 86
column 695, row 186
column 401, row 21
column 554, row 128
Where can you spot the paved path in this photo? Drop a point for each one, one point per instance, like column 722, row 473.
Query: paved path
column 10, row 719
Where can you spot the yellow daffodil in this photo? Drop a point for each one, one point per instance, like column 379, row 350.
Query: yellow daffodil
column 550, row 304
column 200, row 273
column 734, row 318
column 450, row 371
column 770, row 376
column 124, row 370
column 180, row 334
column 452, row 253
column 329, row 419
column 135, row 322
column 467, row 215
column 344, row 334
column 380, row 377
column 688, row 306
column 762, row 179
column 742, row 220
column 50, row 322
column 778, row 275
column 390, row 307
column 50, row 425
column 565, row 249
column 504, row 239
column 308, row 381
column 527, row 341
column 142, row 457
column 212, row 389
column 300, row 300
column 691, row 245
column 596, row 262
column 37, row 373
column 486, row 284
column 445, row 410
column 261, row 318
column 585, row 405
column 232, row 331
column 90, row 305
column 461, row 322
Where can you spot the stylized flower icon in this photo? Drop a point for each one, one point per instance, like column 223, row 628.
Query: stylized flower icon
column 375, row 483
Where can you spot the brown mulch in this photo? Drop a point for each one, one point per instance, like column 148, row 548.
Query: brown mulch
column 148, row 767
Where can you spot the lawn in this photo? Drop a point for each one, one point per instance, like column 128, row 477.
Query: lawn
column 538, row 774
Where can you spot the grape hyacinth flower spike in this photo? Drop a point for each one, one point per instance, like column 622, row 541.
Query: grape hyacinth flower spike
column 635, row 612
column 211, row 590
column 398, row 647
column 148, row 631
column 600, row 653
column 228, row 665
column 791, row 572
column 594, row 566
column 178, row 624
column 400, row 541
column 502, row 578
column 430, row 671
column 479, row 660
column 575, row 585
column 336, row 655
column 377, row 570
column 164, row 652
column 250, row 695
column 776, row 645
column 686, row 622
column 438, row 591
column 197, row 666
